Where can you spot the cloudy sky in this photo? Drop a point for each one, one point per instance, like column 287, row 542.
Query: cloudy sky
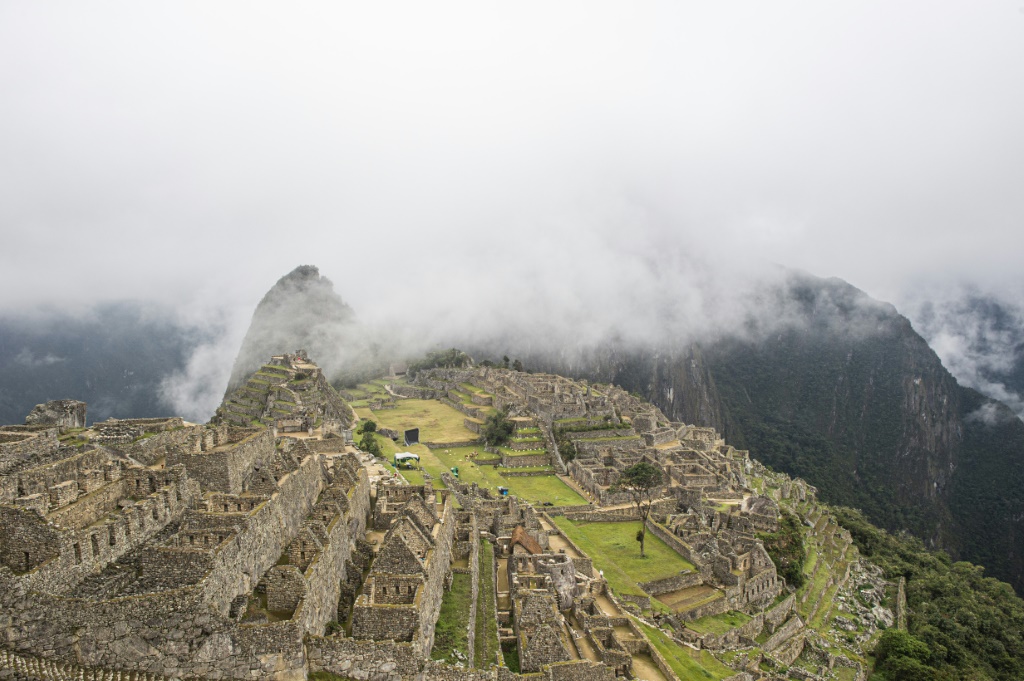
column 194, row 152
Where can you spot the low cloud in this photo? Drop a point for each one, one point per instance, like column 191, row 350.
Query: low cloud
column 978, row 334
column 28, row 358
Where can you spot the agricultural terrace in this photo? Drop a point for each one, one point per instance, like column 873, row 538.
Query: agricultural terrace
column 688, row 664
column 614, row 549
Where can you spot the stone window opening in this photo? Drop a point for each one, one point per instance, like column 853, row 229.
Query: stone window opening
column 191, row 539
column 95, row 546
column 112, row 535
column 156, row 516
column 28, row 561
column 239, row 506
column 227, row 507
column 138, row 483
column 78, row 554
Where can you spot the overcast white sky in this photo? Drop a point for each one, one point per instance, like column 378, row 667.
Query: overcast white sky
column 198, row 151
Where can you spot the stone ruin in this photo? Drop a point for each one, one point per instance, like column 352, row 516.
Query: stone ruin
column 290, row 394
column 235, row 550
column 64, row 414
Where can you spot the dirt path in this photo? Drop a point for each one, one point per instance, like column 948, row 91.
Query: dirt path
column 645, row 669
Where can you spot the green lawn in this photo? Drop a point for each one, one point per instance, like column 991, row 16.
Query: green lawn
column 437, row 421
column 719, row 624
column 683, row 661
column 486, row 624
column 452, row 629
column 535, row 489
column 614, row 549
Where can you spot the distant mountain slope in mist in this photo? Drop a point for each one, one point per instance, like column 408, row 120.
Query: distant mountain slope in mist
column 980, row 339
column 114, row 357
column 848, row 396
column 301, row 311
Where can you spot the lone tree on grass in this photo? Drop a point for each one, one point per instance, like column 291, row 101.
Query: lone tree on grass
column 640, row 481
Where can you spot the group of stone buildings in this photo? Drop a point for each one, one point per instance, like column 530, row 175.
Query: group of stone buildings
column 249, row 548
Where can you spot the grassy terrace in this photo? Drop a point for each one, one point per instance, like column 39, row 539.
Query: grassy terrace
column 522, row 452
column 719, row 624
column 467, row 400
column 437, row 421
column 452, row 630
column 689, row 665
column 614, row 549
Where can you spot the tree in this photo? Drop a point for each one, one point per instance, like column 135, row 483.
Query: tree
column 368, row 443
column 498, row 428
column 517, row 365
column 368, row 426
column 640, row 481
column 504, row 362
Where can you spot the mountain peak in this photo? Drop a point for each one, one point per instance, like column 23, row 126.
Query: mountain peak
column 301, row 310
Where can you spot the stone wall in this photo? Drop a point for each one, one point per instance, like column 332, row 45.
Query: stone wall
column 326, row 572
column 151, row 449
column 241, row 562
column 79, row 552
column 715, row 607
column 178, row 632
column 364, row 660
column 225, row 468
column 523, row 460
column 25, row 450
column 793, row 625
column 437, row 574
column 674, row 542
column 453, row 445
column 674, row 583
column 41, row 478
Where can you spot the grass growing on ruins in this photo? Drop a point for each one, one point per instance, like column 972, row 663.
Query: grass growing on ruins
column 486, row 622
column 719, row 624
column 437, row 421
column 682, row 661
column 451, row 632
column 614, row 549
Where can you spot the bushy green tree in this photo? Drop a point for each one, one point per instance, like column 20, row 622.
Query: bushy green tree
column 498, row 428
column 368, row 443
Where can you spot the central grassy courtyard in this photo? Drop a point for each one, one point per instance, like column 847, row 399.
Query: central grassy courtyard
column 614, row 549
